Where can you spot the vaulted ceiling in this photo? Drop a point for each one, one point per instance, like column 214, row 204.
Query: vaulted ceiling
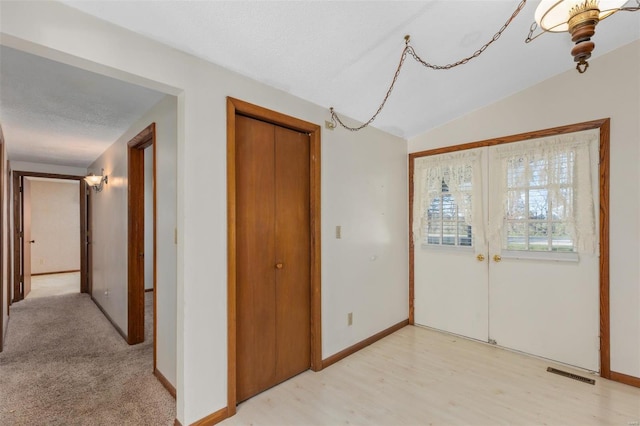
column 344, row 53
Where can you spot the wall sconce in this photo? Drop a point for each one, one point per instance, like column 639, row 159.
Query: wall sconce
column 97, row 182
column 579, row 18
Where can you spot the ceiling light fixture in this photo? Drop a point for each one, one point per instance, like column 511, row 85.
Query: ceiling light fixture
column 97, row 182
column 408, row 50
column 579, row 18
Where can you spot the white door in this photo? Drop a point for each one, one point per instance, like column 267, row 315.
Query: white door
column 537, row 288
column 544, row 289
column 451, row 283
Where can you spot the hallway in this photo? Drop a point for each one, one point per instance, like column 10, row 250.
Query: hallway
column 64, row 364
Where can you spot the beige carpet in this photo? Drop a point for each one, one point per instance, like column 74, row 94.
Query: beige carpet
column 64, row 364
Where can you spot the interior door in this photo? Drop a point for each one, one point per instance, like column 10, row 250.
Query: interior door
column 273, row 255
column 543, row 301
column 26, row 240
column 293, row 254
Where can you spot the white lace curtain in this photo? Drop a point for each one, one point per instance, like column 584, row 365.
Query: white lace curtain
column 550, row 154
column 461, row 173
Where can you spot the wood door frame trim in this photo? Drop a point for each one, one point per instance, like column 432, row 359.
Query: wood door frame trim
column 135, row 236
column 84, row 272
column 604, row 126
column 238, row 107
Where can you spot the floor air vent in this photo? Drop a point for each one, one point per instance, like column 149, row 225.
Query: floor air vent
column 571, row 375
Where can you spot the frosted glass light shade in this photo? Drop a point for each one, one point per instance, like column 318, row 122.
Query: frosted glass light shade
column 553, row 15
column 93, row 180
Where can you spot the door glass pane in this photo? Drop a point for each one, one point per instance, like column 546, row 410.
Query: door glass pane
column 516, row 205
column 464, row 234
column 538, row 204
column 449, row 233
column 560, row 238
column 516, row 236
column 433, row 232
column 434, row 211
column 538, row 237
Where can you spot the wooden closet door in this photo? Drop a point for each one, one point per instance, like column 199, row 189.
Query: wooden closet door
column 293, row 344
column 255, row 245
column 273, row 255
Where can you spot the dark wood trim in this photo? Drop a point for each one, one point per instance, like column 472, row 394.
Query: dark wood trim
column 176, row 422
column 235, row 106
column 605, row 329
column 9, row 246
column 213, row 418
column 155, row 247
column 113, row 323
column 625, row 378
column 166, row 383
column 56, row 272
column 85, row 272
column 232, row 396
column 16, row 238
column 571, row 128
column 604, row 126
column 17, row 220
column 411, row 251
column 88, row 247
column 363, row 344
column 135, row 246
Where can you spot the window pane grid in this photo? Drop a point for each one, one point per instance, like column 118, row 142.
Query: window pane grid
column 539, row 200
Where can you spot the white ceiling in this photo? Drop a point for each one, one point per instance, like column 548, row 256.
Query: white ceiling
column 344, row 53
column 57, row 114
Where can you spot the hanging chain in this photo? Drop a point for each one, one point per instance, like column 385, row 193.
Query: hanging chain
column 408, row 49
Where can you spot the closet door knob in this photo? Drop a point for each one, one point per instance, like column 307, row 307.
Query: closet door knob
column 279, row 265
column 497, row 258
column 480, row 257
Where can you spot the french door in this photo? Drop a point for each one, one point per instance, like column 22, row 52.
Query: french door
column 503, row 255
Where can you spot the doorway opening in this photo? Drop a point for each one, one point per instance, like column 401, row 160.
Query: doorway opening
column 50, row 233
column 141, row 257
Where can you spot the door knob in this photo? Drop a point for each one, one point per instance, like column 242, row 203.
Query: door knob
column 480, row 257
column 32, row 241
column 497, row 258
column 279, row 265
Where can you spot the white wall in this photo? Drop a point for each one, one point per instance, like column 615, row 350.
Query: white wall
column 363, row 180
column 611, row 88
column 148, row 213
column 55, row 226
column 109, row 227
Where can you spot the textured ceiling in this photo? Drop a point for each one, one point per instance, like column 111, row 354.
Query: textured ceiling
column 332, row 53
column 56, row 114
column 344, row 53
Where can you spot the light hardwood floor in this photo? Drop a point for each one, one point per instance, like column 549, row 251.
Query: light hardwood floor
column 419, row 376
column 54, row 284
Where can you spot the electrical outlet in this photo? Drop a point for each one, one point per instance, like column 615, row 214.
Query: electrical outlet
column 350, row 318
